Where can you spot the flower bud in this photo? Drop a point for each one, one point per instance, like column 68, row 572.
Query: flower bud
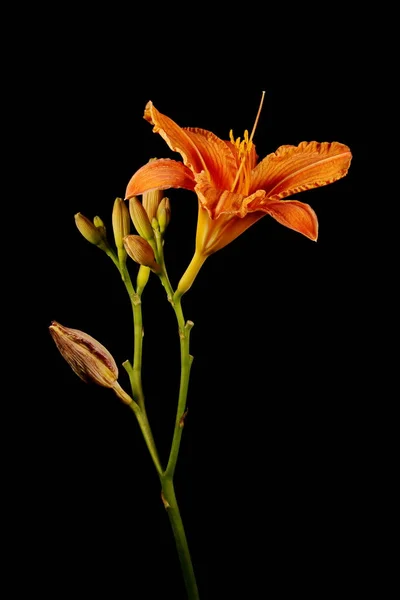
column 88, row 230
column 142, row 279
column 164, row 214
column 140, row 219
column 98, row 223
column 121, row 222
column 140, row 251
column 85, row 355
column 151, row 200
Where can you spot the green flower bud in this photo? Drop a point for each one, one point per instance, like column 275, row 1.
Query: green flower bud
column 88, row 230
column 142, row 278
column 140, row 219
column 164, row 214
column 98, row 223
column 121, row 222
column 141, row 252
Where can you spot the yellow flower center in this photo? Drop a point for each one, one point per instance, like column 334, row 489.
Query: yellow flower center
column 244, row 148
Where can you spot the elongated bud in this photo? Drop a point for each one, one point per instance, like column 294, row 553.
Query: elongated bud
column 141, row 252
column 142, row 279
column 151, row 200
column 164, row 214
column 89, row 359
column 88, row 230
column 140, row 219
column 121, row 222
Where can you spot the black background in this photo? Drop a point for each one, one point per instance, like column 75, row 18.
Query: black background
column 271, row 456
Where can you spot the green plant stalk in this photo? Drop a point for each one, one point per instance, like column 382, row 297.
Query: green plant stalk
column 166, row 477
column 171, row 506
column 135, row 372
column 168, row 491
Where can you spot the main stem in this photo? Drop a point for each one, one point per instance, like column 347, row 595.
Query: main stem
column 167, row 482
column 171, row 505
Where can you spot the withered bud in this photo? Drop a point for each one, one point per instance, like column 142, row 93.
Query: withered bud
column 164, row 214
column 141, row 252
column 121, row 222
column 89, row 359
column 140, row 219
column 88, row 230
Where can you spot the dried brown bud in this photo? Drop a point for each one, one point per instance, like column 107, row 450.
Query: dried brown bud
column 89, row 359
column 140, row 251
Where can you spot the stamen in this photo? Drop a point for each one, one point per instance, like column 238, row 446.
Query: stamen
column 232, row 139
column 257, row 117
column 246, row 145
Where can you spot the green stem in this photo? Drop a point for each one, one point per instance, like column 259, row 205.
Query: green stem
column 167, row 483
column 136, row 380
column 144, row 425
column 171, row 505
column 186, row 363
column 135, row 372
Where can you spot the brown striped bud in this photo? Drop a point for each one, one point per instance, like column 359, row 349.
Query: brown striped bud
column 140, row 219
column 89, row 359
column 121, row 222
column 141, row 252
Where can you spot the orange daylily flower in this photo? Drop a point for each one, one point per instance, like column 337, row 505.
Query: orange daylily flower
column 234, row 189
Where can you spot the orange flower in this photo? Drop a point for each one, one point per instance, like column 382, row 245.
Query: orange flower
column 233, row 188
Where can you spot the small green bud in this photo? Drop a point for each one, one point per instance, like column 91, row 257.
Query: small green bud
column 121, row 222
column 88, row 230
column 98, row 223
column 140, row 219
column 164, row 214
column 141, row 252
column 142, row 278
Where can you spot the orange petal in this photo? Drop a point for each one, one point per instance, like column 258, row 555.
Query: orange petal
column 201, row 150
column 220, row 202
column 214, row 234
column 177, row 139
column 293, row 214
column 160, row 175
column 293, row 169
column 218, row 156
